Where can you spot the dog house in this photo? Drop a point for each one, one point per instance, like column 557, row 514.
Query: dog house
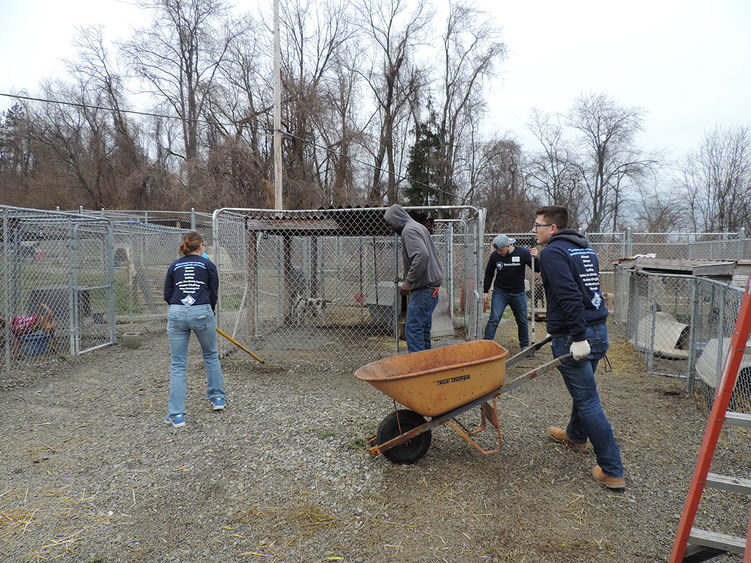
column 709, row 365
column 345, row 259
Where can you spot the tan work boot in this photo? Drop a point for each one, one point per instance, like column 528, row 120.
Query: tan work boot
column 559, row 435
column 609, row 482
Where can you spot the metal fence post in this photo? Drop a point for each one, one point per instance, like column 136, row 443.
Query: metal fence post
column 111, row 301
column 72, row 257
column 450, row 267
column 691, row 376
column 651, row 357
column 396, row 293
column 628, row 242
column 192, row 218
column 6, row 291
column 741, row 240
column 721, row 334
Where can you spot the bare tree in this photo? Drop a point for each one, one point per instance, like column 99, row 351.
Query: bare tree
column 659, row 210
column 393, row 79
column 179, row 57
column 609, row 162
column 551, row 174
column 314, row 37
column 97, row 72
column 239, row 124
column 469, row 50
column 717, row 180
column 500, row 187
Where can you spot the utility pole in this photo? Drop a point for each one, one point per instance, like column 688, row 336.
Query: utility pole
column 277, row 113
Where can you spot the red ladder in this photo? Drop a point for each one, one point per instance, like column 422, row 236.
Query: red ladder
column 693, row 544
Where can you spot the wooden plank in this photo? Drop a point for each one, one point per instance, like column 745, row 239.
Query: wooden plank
column 730, row 484
column 732, row 544
column 738, row 419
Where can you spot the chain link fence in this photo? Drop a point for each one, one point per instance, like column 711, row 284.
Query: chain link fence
column 681, row 325
column 327, row 280
column 142, row 254
column 146, row 243
column 57, row 294
column 324, row 278
column 670, row 246
column 182, row 220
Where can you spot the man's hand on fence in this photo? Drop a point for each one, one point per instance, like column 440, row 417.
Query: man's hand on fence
column 580, row 350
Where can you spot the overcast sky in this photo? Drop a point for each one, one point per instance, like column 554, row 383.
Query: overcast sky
column 687, row 63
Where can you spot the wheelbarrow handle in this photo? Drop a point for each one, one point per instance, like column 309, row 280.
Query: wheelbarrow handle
column 528, row 351
column 509, row 385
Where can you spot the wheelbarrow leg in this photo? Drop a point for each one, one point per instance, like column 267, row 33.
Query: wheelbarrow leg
column 490, row 414
column 487, row 414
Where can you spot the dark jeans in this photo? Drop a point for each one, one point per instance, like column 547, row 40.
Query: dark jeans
column 588, row 420
column 518, row 303
column 419, row 319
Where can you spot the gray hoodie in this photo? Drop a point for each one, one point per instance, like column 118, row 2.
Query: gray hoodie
column 421, row 263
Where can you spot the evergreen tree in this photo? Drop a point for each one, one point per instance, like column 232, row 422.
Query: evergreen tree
column 422, row 170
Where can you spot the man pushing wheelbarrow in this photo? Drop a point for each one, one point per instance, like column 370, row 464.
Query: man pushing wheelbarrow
column 575, row 317
column 445, row 382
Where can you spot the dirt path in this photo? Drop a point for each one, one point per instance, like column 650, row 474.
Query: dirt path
column 90, row 472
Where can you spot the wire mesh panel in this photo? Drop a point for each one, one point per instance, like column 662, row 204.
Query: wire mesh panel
column 681, row 326
column 687, row 246
column 57, row 295
column 328, row 279
column 658, row 314
column 609, row 248
column 715, row 313
column 142, row 254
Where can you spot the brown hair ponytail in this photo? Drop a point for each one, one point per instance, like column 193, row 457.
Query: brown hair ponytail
column 191, row 242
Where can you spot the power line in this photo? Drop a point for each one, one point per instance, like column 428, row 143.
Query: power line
column 268, row 130
column 105, row 108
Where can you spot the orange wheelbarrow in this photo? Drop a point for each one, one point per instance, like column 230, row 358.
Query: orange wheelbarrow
column 441, row 384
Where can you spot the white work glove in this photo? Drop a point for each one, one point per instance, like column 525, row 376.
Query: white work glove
column 580, row 350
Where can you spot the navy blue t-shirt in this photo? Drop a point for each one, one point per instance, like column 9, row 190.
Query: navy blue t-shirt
column 191, row 280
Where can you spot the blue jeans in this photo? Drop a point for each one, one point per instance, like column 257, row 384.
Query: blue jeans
column 588, row 421
column 518, row 302
column 181, row 320
column 419, row 319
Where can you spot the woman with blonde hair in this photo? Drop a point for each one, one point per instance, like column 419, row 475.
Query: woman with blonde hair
column 191, row 288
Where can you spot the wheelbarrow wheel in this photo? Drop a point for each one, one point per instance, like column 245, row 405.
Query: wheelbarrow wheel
column 399, row 422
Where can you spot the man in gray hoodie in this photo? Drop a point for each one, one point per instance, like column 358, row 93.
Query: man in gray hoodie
column 423, row 276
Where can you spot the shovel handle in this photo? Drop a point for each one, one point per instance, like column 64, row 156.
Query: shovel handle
column 236, row 343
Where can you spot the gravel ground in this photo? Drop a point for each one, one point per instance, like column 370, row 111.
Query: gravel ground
column 91, row 473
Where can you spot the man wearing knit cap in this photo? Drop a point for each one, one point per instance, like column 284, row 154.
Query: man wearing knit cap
column 507, row 263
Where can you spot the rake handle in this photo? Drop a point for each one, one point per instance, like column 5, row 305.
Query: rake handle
column 236, row 343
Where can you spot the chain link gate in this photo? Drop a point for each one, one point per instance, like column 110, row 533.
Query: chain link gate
column 57, row 293
column 325, row 280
